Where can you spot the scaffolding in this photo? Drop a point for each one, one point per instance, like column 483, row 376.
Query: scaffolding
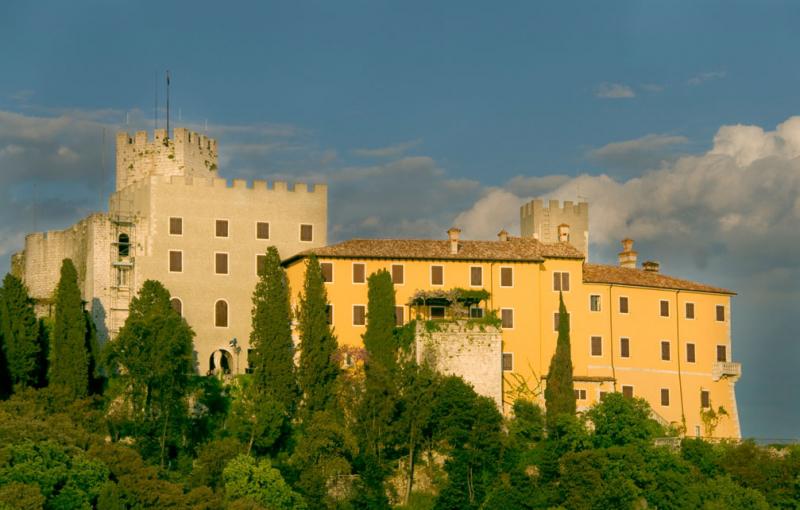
column 122, row 257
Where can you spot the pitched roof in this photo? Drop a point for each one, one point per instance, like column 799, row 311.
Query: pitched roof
column 514, row 249
column 600, row 273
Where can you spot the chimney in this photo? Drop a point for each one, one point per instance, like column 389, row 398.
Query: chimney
column 627, row 257
column 651, row 266
column 502, row 235
column 453, row 234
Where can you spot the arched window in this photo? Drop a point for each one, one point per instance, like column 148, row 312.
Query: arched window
column 221, row 314
column 124, row 245
column 177, row 305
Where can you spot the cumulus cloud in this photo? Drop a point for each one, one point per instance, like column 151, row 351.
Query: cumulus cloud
column 634, row 156
column 701, row 78
column 390, row 151
column 614, row 91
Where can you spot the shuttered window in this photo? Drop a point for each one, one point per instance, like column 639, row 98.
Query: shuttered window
column 705, row 399
column 221, row 314
column 722, row 353
column 664, row 308
column 398, row 274
column 721, row 313
column 664, row 396
column 176, row 226
column 561, row 281
column 175, row 261
column 476, row 276
column 508, row 361
column 623, row 304
column 690, row 354
column 506, row 277
column 690, row 310
column 221, row 263
column 306, row 233
column 221, row 228
column 627, row 391
column 399, row 315
column 359, row 315
column 262, row 230
column 507, row 318
column 261, row 265
column 359, row 272
column 597, row 346
column 437, row 275
column 327, row 271
column 625, row 347
column 665, row 350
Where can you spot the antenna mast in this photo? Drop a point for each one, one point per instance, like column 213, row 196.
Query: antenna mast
column 168, row 103
column 155, row 100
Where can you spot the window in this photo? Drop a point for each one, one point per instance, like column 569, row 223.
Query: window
column 261, row 265
column 594, row 303
column 561, row 281
column 597, row 346
column 664, row 396
column 398, row 274
column 327, row 271
column 123, row 245
column 722, row 353
column 721, row 313
column 476, row 276
column 399, row 316
column 705, row 399
column 437, row 275
column 580, row 394
column 176, row 226
column 359, row 315
column 627, row 391
column 508, row 361
column 690, row 310
column 476, row 312
column 262, row 230
column 175, row 261
column 506, row 277
column 602, row 395
column 625, row 347
column 221, row 228
column 329, row 314
column 176, row 305
column 221, row 314
column 437, row 312
column 507, row 318
column 221, row 263
column 690, row 354
column 557, row 319
column 123, row 277
column 623, row 304
column 359, row 272
column 697, row 430
column 306, row 233
column 664, row 308
column 665, row 350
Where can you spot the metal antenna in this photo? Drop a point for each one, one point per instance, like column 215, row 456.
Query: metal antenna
column 155, row 100
column 167, row 103
column 102, row 171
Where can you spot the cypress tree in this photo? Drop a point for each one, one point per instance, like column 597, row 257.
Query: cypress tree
column 69, row 365
column 20, row 331
column 379, row 336
column 559, row 394
column 318, row 371
column 271, row 336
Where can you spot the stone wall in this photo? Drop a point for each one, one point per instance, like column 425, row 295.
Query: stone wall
column 541, row 221
column 471, row 351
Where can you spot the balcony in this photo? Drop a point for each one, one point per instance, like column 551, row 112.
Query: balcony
column 726, row 369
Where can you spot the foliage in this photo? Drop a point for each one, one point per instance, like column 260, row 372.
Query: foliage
column 257, row 420
column 69, row 363
column 448, row 297
column 271, row 336
column 619, row 420
column 711, row 419
column 258, row 481
column 152, row 361
column 212, row 458
column 19, row 331
column 527, row 427
column 559, row 394
column 318, row 371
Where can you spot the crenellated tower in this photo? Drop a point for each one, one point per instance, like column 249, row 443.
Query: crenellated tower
column 185, row 154
column 551, row 223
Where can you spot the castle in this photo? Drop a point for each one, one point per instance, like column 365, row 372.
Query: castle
column 633, row 329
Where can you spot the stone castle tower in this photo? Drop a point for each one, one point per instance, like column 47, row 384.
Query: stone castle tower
column 551, row 223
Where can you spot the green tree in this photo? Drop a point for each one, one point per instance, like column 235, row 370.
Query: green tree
column 619, row 420
column 257, row 420
column 69, row 364
column 271, row 336
column 318, row 370
column 379, row 337
column 259, row 482
column 559, row 394
column 153, row 358
column 19, row 330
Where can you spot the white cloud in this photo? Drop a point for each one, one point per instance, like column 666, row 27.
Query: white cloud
column 633, row 157
column 614, row 91
column 496, row 210
column 390, row 151
column 701, row 78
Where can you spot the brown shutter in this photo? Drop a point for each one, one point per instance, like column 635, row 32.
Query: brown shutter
column 176, row 226
column 665, row 308
column 306, row 233
column 665, row 351
column 565, row 282
column 664, row 396
column 399, row 315
column 705, row 399
column 507, row 317
column 597, row 346
column 721, row 313
column 625, row 347
column 722, row 353
column 398, row 275
column 262, row 230
column 556, row 281
column 506, row 277
column 221, row 263
column 327, row 271
column 222, row 228
column 261, row 265
column 359, row 315
column 221, row 314
column 508, row 361
column 627, row 391
column 623, row 304
column 476, row 276
column 359, row 273
column 175, row 261
column 690, row 355
column 690, row 310
column 437, row 275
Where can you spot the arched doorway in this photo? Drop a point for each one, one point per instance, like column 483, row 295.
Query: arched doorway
column 220, row 362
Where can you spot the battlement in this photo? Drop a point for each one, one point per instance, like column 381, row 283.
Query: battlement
column 552, row 222
column 243, row 184
column 185, row 153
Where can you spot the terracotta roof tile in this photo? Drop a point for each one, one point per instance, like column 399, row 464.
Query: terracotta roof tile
column 515, row 249
column 600, row 273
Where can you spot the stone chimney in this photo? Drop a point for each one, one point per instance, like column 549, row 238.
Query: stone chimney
column 627, row 257
column 502, row 235
column 651, row 266
column 453, row 235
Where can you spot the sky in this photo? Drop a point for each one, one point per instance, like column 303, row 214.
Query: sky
column 675, row 120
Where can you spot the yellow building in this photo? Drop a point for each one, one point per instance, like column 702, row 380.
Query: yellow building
column 633, row 330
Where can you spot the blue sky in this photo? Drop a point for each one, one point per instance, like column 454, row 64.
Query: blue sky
column 431, row 115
